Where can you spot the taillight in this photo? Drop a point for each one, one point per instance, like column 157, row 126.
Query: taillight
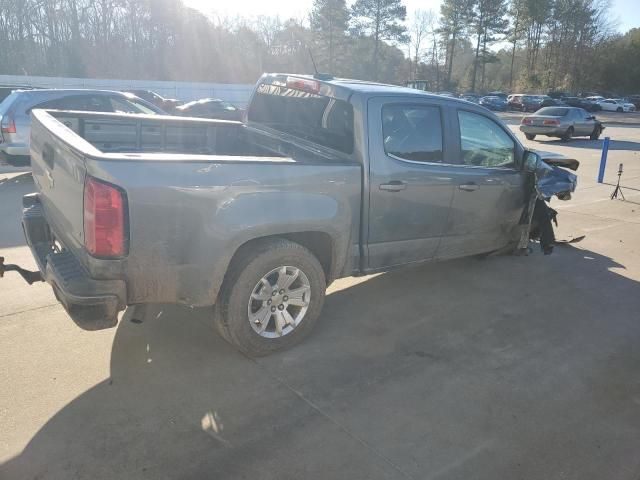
column 8, row 125
column 551, row 122
column 527, row 121
column 104, row 219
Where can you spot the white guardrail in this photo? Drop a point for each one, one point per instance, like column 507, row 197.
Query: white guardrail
column 237, row 94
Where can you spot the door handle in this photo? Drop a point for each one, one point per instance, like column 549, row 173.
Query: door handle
column 468, row 187
column 394, row 186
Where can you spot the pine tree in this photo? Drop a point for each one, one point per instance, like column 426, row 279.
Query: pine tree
column 454, row 18
column 382, row 20
column 329, row 21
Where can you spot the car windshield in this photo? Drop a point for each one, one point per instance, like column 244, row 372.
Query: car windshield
column 553, row 111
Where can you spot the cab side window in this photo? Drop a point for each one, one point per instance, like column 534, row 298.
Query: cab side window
column 484, row 143
column 412, row 132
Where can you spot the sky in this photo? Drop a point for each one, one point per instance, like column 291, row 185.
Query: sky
column 626, row 12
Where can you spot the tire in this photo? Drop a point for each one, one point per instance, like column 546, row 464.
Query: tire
column 243, row 283
column 567, row 135
column 530, row 136
column 595, row 135
column 619, row 110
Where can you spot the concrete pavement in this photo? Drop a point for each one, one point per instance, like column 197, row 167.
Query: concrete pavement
column 507, row 367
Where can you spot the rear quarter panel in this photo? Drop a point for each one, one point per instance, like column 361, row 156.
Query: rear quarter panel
column 187, row 219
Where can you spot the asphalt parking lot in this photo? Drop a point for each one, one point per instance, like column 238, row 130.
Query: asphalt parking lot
column 501, row 368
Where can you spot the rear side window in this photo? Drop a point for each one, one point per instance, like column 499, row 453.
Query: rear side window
column 484, row 143
column 317, row 118
column 412, row 132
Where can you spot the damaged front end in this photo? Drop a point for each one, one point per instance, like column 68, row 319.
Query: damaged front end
column 548, row 179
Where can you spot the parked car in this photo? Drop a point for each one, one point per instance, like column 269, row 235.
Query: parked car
column 494, row 103
column 617, row 105
column 210, row 108
column 471, row 97
column 328, row 178
column 635, row 99
column 558, row 94
column 502, row 95
column 524, row 103
column 547, row 101
column 584, row 103
column 561, row 122
column 166, row 104
column 5, row 90
column 15, row 118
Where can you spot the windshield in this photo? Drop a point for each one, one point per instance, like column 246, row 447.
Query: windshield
column 318, row 118
column 553, row 111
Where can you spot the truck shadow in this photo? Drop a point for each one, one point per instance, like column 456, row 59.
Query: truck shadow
column 182, row 403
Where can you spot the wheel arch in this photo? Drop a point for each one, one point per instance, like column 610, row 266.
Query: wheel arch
column 321, row 244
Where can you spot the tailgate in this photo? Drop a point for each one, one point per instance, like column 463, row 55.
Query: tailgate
column 58, row 172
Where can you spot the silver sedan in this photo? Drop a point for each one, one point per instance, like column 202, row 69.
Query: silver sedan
column 561, row 122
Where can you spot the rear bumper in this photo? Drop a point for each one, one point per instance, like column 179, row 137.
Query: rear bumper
column 92, row 304
column 14, row 160
column 540, row 130
column 14, row 149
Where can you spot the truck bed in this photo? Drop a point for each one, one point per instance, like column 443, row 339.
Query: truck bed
column 196, row 190
column 141, row 135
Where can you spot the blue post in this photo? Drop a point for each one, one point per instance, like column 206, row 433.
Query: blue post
column 603, row 159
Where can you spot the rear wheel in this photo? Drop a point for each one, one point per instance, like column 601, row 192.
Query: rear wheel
column 530, row 136
column 619, row 110
column 271, row 297
column 595, row 135
column 567, row 135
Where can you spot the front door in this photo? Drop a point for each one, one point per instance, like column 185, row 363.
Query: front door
column 583, row 122
column 410, row 188
column 489, row 193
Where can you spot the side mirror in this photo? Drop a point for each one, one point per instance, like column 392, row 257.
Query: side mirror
column 531, row 161
column 591, row 117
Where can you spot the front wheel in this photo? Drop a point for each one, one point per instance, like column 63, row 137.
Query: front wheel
column 530, row 136
column 271, row 297
column 595, row 135
column 619, row 110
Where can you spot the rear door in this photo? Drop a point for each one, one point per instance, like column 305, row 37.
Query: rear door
column 410, row 187
column 489, row 188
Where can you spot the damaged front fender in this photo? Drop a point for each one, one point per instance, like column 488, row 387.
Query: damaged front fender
column 551, row 180
column 547, row 181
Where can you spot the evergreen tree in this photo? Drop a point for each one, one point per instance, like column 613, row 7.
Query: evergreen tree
column 382, row 20
column 329, row 21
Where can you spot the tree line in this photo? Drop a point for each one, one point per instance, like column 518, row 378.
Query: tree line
column 475, row 45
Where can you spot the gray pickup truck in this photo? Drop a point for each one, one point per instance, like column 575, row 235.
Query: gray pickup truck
column 326, row 178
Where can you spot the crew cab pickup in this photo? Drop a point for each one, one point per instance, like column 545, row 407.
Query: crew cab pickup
column 326, row 178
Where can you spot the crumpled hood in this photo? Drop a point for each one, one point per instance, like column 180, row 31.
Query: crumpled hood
column 558, row 160
column 551, row 180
